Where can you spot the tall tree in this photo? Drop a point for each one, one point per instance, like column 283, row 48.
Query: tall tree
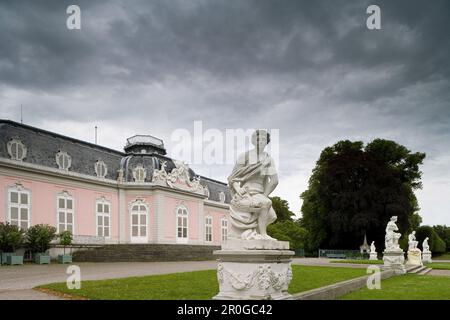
column 281, row 208
column 354, row 190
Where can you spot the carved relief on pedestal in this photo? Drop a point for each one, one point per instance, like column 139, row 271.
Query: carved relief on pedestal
column 264, row 277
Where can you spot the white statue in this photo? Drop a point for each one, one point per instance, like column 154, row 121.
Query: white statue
column 373, row 252
column 425, row 245
column 392, row 237
column 253, row 178
column 426, row 254
column 412, row 243
column 372, row 247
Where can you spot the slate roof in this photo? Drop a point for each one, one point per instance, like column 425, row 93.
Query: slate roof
column 43, row 145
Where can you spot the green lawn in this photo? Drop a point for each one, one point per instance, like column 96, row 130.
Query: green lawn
column 197, row 285
column 439, row 265
column 358, row 261
column 406, row 287
column 445, row 256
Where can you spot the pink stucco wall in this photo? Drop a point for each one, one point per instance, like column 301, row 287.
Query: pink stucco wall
column 217, row 216
column 44, row 205
column 44, row 209
column 171, row 204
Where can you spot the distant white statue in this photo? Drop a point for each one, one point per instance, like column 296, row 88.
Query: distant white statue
column 426, row 253
column 425, row 245
column 373, row 252
column 372, row 247
column 412, row 243
column 392, row 237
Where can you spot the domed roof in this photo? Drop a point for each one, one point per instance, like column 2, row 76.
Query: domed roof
column 144, row 144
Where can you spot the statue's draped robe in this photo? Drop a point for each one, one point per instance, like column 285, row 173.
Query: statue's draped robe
column 243, row 214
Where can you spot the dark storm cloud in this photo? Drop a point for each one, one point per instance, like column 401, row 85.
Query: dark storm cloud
column 310, row 68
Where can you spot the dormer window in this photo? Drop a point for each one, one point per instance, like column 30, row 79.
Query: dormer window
column 139, row 174
column 206, row 192
column 63, row 160
column 101, row 169
column 16, row 149
column 222, row 196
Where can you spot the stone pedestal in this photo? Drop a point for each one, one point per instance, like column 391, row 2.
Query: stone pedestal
column 394, row 260
column 373, row 256
column 426, row 257
column 414, row 257
column 254, row 270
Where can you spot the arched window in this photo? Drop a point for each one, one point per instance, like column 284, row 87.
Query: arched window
column 224, row 229
column 101, row 169
column 103, row 217
column 208, row 229
column 139, row 211
column 66, row 212
column 19, row 206
column 139, row 174
column 16, row 149
column 222, row 196
column 182, row 224
column 63, row 160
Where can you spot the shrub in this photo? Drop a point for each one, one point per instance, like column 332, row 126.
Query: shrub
column 11, row 237
column 65, row 239
column 39, row 236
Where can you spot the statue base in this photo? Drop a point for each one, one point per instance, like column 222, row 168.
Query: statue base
column 414, row 257
column 373, row 256
column 253, row 274
column 426, row 257
column 394, row 260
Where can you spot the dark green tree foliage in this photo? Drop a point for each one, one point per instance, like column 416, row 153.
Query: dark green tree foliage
column 354, row 190
column 281, row 208
column 285, row 228
column 39, row 236
column 288, row 231
column 437, row 245
column 444, row 233
column 11, row 237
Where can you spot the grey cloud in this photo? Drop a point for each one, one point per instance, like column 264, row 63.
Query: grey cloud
column 309, row 68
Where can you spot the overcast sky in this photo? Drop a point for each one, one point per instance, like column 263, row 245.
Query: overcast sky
column 309, row 68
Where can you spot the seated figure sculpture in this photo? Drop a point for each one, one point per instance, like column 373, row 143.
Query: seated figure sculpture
column 253, row 178
column 412, row 243
column 392, row 237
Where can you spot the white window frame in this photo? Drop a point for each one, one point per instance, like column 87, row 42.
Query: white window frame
column 19, row 189
column 103, row 202
column 139, row 203
column 101, row 169
column 65, row 196
column 60, row 155
column 19, row 143
column 209, row 225
column 222, row 197
column 179, row 214
column 135, row 174
column 224, row 226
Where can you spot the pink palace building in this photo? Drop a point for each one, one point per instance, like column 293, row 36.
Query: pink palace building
column 105, row 196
